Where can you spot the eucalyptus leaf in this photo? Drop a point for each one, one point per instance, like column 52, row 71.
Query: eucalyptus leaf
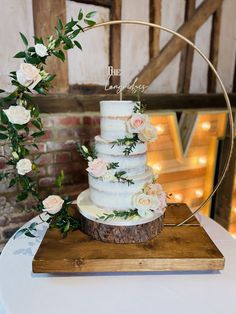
column 3, row 128
column 3, row 136
column 20, row 232
column 80, row 15
column 25, row 41
column 20, row 54
column 29, row 234
column 89, row 22
column 38, row 134
column 77, row 44
column 12, row 182
column 90, row 14
column 59, row 23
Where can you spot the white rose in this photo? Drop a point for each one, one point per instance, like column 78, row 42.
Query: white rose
column 53, row 204
column 109, row 176
column 23, row 166
column 28, row 75
column 41, row 50
column 144, row 202
column 148, row 134
column 17, row 114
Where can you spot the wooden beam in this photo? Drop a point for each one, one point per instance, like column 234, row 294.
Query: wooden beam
column 175, row 45
column 167, row 102
column 185, row 67
column 222, row 201
column 45, row 19
column 102, row 3
column 154, row 33
column 115, row 40
column 214, row 49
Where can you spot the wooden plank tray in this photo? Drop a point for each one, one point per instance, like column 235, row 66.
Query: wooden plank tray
column 183, row 248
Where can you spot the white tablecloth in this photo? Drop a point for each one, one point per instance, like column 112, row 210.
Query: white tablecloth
column 22, row 292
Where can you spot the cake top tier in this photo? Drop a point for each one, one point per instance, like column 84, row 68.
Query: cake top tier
column 117, row 108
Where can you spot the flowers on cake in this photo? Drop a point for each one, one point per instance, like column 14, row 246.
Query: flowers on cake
column 137, row 123
column 151, row 198
column 53, row 204
column 97, row 167
column 148, row 134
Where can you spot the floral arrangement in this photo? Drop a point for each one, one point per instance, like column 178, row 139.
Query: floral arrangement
column 21, row 125
column 101, row 169
column 139, row 128
column 151, row 200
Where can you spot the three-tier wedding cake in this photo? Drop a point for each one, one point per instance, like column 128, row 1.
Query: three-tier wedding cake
column 122, row 188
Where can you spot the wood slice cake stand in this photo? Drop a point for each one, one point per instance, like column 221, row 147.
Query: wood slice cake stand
column 117, row 230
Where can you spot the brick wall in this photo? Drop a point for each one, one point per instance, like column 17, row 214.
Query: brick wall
column 57, row 150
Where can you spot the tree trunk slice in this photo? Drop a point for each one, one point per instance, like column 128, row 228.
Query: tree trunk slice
column 122, row 234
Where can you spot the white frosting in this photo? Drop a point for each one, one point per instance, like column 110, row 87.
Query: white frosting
column 116, row 108
column 117, row 195
column 134, row 163
column 114, row 115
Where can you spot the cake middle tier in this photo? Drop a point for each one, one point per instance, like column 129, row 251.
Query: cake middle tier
column 135, row 163
column 117, row 195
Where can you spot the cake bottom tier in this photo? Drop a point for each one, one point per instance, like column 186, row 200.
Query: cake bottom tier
column 117, row 195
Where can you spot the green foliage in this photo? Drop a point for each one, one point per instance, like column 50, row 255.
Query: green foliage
column 129, row 143
column 87, row 152
column 21, row 137
column 120, row 176
column 139, row 108
column 125, row 214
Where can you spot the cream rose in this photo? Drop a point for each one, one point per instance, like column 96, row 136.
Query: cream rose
column 97, row 167
column 137, row 123
column 143, row 201
column 23, row 166
column 152, row 189
column 148, row 134
column 109, row 176
column 28, row 75
column 17, row 115
column 53, row 204
column 41, row 50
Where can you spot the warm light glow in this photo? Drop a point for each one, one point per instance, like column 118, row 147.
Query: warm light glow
column 160, row 129
column 206, row 125
column 156, row 167
column 178, row 197
column 234, row 210
column 199, row 193
column 202, row 160
column 233, row 235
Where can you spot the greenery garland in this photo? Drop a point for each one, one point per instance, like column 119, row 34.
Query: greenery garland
column 18, row 114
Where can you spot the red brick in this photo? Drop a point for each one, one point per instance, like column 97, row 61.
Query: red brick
column 21, row 217
column 54, row 146
column 67, row 120
column 65, row 133
column 93, row 120
column 2, row 163
column 44, row 159
column 47, row 181
column 48, row 135
column 75, row 156
column 72, row 167
column 42, row 148
column 63, row 157
column 47, row 121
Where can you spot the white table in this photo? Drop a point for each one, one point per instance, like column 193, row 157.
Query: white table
column 22, row 292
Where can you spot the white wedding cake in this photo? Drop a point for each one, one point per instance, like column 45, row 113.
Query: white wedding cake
column 121, row 185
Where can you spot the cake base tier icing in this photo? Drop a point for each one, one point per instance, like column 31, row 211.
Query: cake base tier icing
column 89, row 210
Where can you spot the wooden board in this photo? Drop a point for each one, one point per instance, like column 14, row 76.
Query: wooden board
column 185, row 248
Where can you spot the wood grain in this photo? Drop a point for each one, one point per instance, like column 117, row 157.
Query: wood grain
column 176, row 248
column 157, row 64
column 154, row 33
column 45, row 19
column 214, row 49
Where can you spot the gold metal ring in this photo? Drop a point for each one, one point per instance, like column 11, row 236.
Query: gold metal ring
column 229, row 154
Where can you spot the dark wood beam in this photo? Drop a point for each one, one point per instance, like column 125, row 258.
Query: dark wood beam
column 214, row 49
column 222, row 200
column 154, row 33
column 45, row 19
column 102, row 3
column 115, row 40
column 157, row 64
column 186, row 61
column 90, row 102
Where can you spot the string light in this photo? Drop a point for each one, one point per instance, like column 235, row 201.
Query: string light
column 160, row 129
column 156, row 167
column 202, row 160
column 199, row 193
column 206, row 125
column 234, row 210
column 178, row 197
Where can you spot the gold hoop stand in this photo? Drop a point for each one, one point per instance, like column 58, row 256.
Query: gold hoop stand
column 229, row 154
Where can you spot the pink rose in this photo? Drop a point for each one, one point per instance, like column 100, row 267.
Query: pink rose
column 53, row 204
column 137, row 123
column 148, row 134
column 152, row 189
column 97, row 167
